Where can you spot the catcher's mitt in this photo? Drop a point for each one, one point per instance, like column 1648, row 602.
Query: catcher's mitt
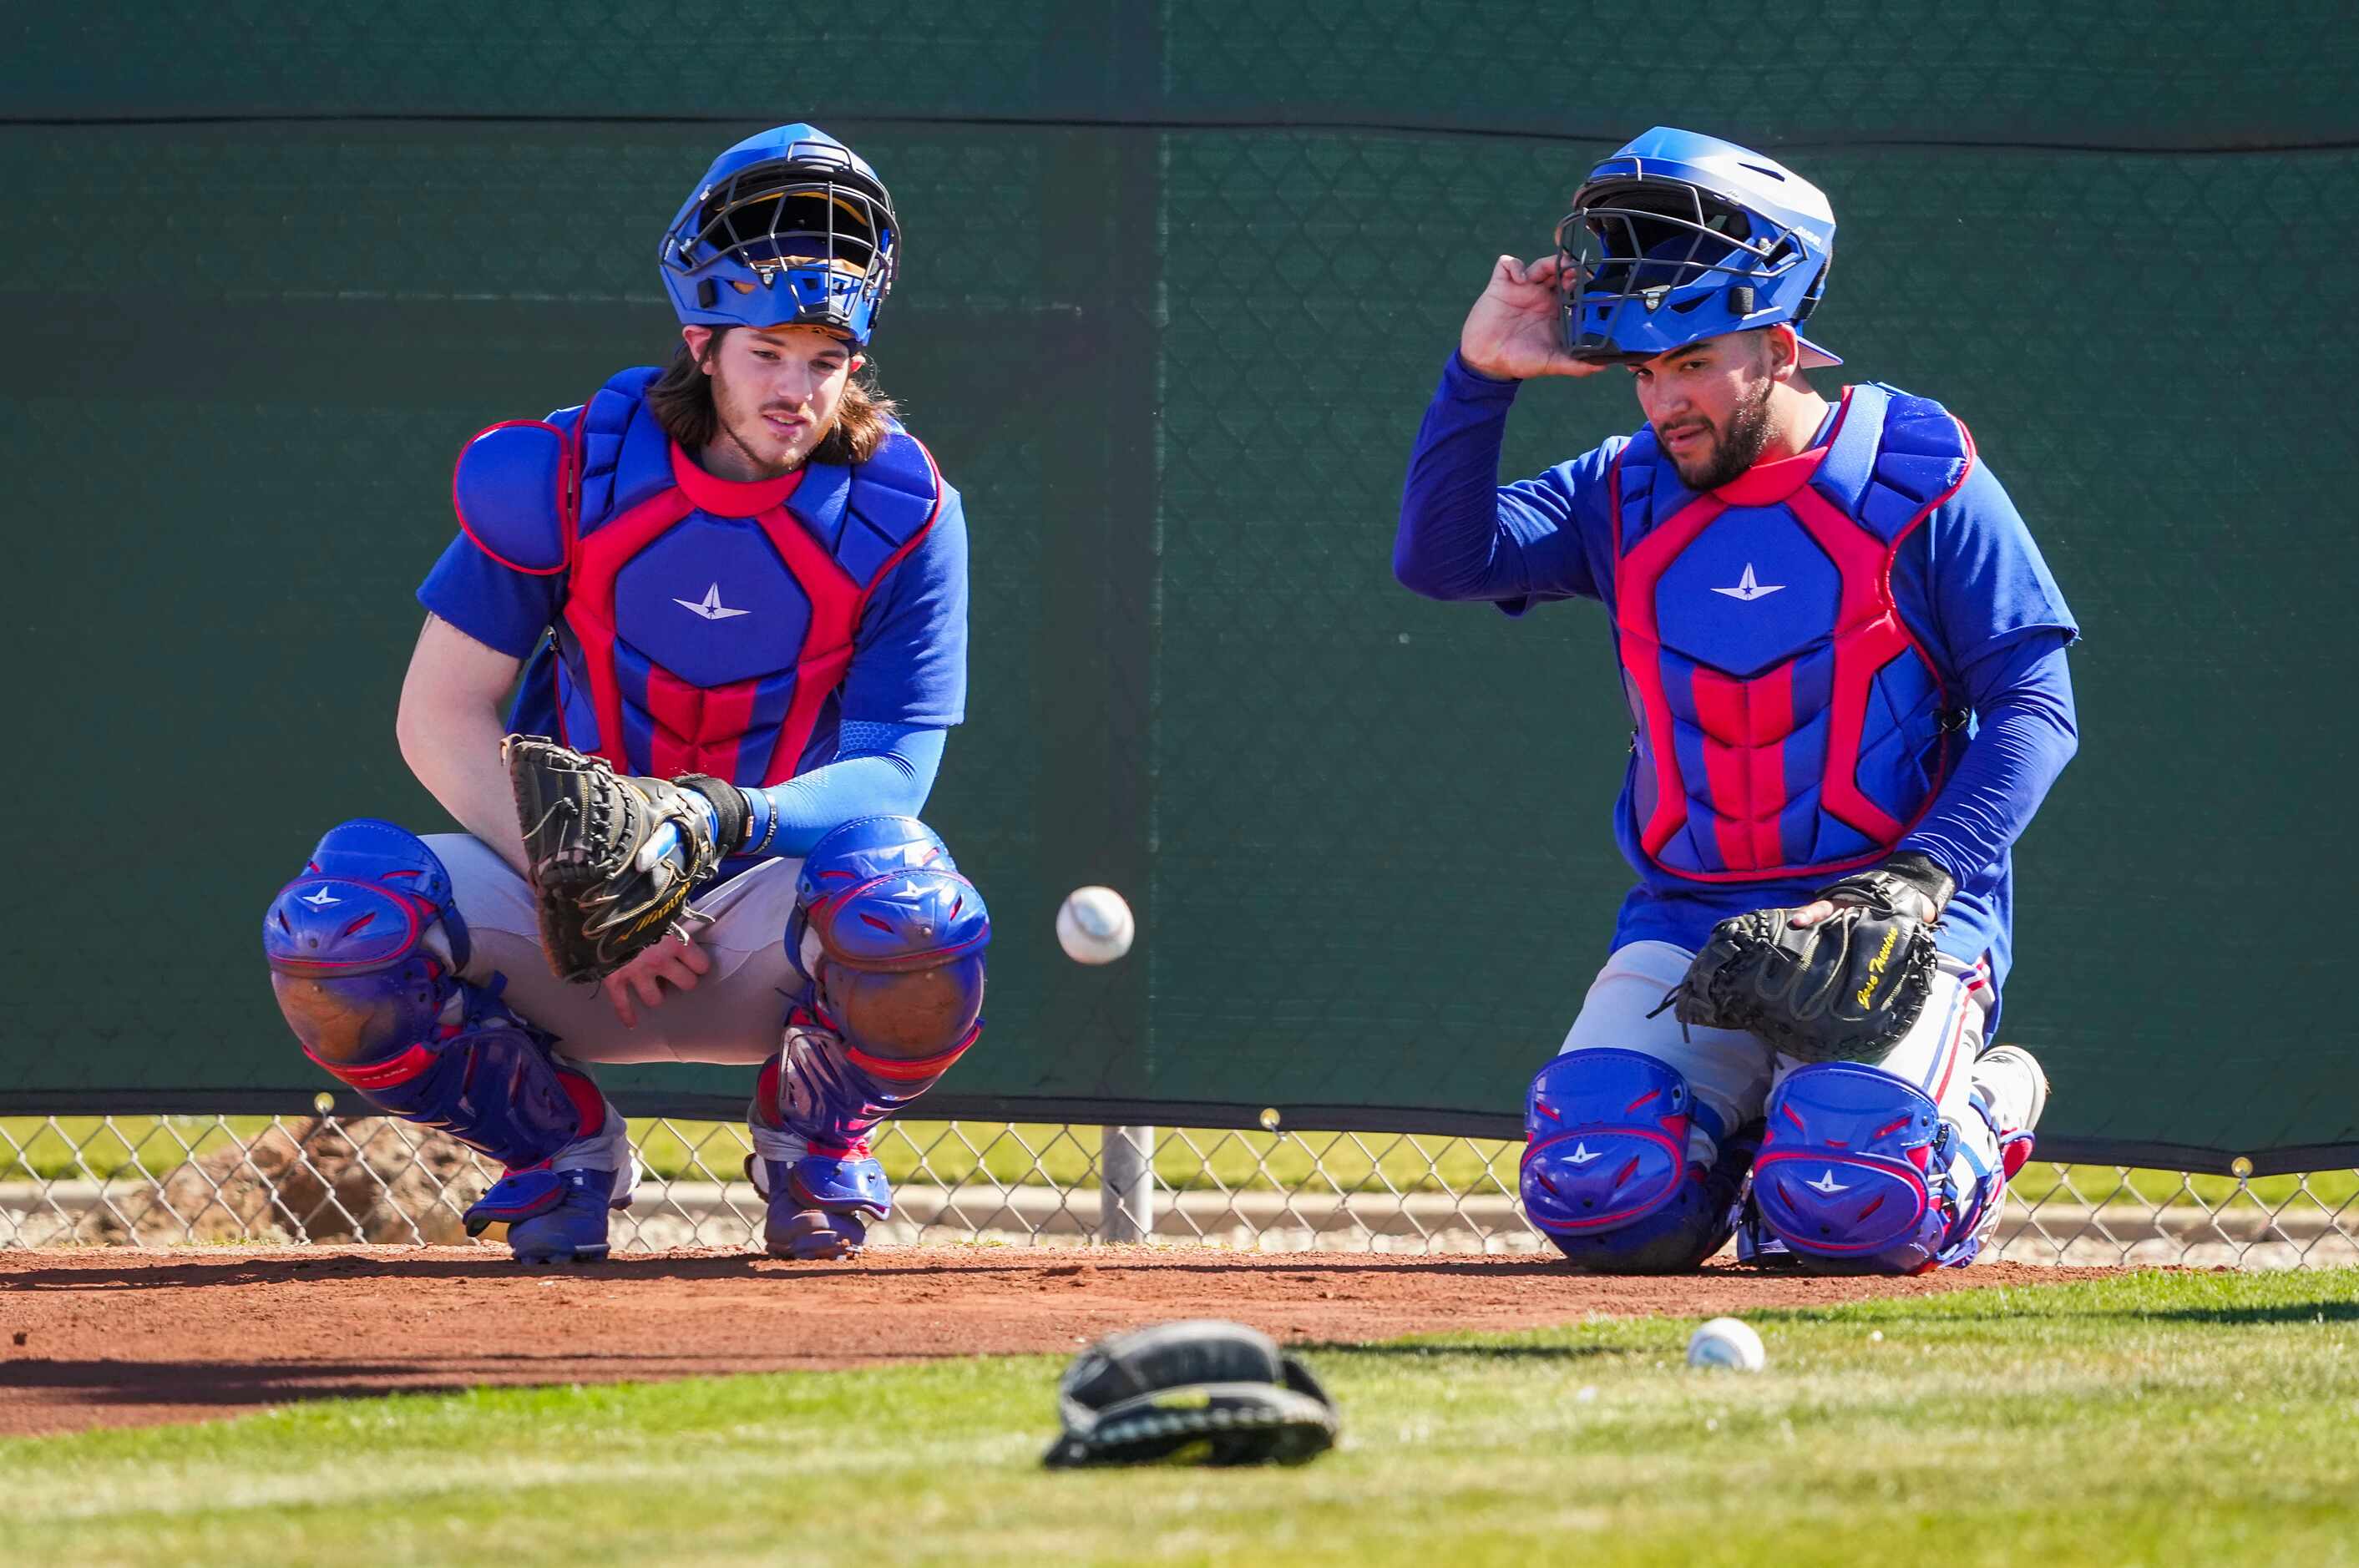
column 613, row 858
column 1203, row 1391
column 1845, row 989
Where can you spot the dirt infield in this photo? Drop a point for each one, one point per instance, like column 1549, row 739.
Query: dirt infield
column 112, row 1337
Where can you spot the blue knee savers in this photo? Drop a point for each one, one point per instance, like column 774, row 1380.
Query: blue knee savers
column 1854, row 1172
column 1605, row 1169
column 352, row 928
column 374, row 1004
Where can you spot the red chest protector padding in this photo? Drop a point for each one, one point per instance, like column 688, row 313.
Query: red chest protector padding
column 707, row 624
column 1788, row 721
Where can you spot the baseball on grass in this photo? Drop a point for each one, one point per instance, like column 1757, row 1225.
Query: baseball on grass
column 1725, row 1342
column 1093, row 926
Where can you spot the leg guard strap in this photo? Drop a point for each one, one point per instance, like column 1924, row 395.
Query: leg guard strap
column 830, row 1093
column 1606, row 1171
column 490, row 1083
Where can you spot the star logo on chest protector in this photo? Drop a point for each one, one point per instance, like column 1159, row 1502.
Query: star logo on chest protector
column 713, row 609
column 1749, row 588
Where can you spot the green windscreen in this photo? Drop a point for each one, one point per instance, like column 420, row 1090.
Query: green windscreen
column 1180, row 279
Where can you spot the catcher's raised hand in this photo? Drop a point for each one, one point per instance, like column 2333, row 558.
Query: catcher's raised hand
column 1516, row 329
column 613, row 858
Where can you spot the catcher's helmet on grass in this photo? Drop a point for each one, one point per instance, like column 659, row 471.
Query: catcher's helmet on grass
column 786, row 228
column 1679, row 237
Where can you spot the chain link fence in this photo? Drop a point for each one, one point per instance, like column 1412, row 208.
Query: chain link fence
column 180, row 1180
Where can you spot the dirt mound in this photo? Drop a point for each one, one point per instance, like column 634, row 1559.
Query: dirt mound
column 366, row 1180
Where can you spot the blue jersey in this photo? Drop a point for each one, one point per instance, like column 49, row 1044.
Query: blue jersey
column 1971, row 595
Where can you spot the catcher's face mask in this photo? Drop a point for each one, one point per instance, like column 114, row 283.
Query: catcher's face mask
column 788, row 228
column 1681, row 237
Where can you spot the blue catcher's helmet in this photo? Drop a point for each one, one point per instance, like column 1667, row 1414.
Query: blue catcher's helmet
column 1679, row 237
column 786, row 228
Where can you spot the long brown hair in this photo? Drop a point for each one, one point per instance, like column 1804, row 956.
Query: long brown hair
column 682, row 400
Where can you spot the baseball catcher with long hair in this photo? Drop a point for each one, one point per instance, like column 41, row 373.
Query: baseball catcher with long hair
column 730, row 599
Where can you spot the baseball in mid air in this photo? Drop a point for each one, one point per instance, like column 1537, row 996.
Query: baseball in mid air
column 1095, row 925
column 1726, row 1342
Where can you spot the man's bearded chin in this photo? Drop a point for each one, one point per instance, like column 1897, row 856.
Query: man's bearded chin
column 1741, row 448
column 732, row 419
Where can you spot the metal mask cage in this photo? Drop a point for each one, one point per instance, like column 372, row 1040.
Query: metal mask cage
column 771, row 217
column 1649, row 241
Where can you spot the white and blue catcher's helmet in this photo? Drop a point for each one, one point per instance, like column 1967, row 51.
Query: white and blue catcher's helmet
column 786, row 228
column 1681, row 237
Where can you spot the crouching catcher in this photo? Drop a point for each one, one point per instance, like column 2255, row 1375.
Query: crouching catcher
column 735, row 590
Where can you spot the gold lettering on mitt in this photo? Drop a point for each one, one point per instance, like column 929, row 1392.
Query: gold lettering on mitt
column 1865, row 997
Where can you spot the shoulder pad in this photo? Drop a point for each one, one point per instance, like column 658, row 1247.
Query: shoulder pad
column 1921, row 454
column 895, row 497
column 513, row 490
column 607, row 421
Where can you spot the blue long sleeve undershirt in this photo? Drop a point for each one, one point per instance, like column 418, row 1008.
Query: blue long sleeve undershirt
column 1462, row 534
column 2026, row 732
column 1468, row 535
column 879, row 770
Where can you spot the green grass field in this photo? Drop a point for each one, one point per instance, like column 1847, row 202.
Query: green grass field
column 2157, row 1420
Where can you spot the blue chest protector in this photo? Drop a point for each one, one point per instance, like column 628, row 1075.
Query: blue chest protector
column 1788, row 722
column 707, row 626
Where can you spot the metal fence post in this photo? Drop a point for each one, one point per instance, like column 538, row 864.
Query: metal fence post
column 1126, row 1183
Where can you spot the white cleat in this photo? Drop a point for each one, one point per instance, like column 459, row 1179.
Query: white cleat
column 2011, row 1084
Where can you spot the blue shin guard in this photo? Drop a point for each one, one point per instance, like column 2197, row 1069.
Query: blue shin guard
column 1606, row 1174
column 814, row 1106
column 890, row 938
column 364, row 949
column 1860, row 1173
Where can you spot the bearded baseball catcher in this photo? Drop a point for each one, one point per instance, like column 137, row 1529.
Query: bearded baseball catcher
column 1845, row 662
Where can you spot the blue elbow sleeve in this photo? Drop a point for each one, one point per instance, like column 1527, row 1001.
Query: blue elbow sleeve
column 879, row 770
